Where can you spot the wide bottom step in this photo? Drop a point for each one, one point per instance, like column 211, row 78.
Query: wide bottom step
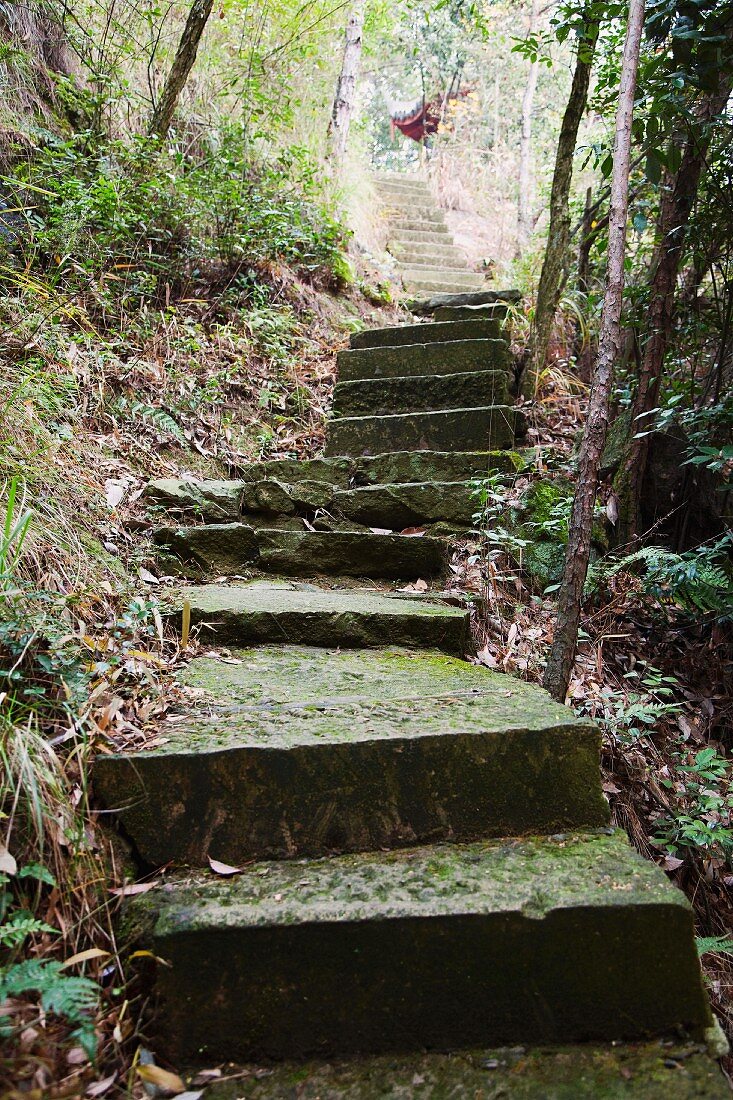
column 650, row 1071
column 569, row 938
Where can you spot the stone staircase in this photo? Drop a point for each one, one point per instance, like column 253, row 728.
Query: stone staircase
column 425, row 863
column 428, row 261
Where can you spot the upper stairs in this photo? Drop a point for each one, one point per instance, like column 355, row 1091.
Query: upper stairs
column 428, row 260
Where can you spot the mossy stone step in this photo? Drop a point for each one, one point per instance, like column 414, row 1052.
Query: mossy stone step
column 223, row 548
column 299, row 751
column 561, row 939
column 344, row 471
column 251, row 615
column 212, row 500
column 453, row 429
column 482, row 328
column 426, row 273
column 437, row 285
column 404, row 505
column 416, row 236
column 434, row 255
column 668, row 1070
column 438, row 357
column 477, row 298
column 422, row 224
column 416, row 393
column 457, row 314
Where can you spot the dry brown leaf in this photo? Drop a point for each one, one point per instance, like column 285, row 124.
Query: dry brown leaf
column 98, row 1088
column 134, row 888
column 223, row 869
column 7, row 862
column 163, row 1078
column 85, row 956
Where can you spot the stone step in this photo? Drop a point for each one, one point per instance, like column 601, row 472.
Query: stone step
column 426, row 273
column 434, row 223
column 456, row 314
column 480, row 429
column 432, row 286
column 344, row 472
column 436, row 357
column 478, row 298
column 571, row 938
column 433, row 255
column 417, row 192
column 657, row 1070
column 296, row 751
column 257, row 614
column 225, row 548
column 408, row 237
column 415, row 393
column 434, row 332
column 397, row 506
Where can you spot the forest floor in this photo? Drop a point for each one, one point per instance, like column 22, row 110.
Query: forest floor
column 197, row 391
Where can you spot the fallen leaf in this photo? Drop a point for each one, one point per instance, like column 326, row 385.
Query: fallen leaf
column 156, row 1075
column 671, row 863
column 100, row 1087
column 413, row 532
column 146, row 576
column 486, row 657
column 85, row 956
column 7, row 862
column 115, row 491
column 381, row 530
column 421, row 585
column 223, row 868
column 134, row 888
column 612, row 509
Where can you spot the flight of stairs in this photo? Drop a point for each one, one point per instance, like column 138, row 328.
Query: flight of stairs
column 428, row 261
column 414, row 864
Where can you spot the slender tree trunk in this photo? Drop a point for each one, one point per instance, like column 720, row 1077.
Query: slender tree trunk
column 345, row 99
column 678, row 197
column 562, row 654
column 183, row 62
column 524, row 218
column 558, row 235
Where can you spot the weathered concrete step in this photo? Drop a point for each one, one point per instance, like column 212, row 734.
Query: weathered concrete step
column 478, row 298
column 407, row 505
column 435, row 286
column 376, row 396
column 251, row 615
column 424, row 273
column 466, row 314
column 481, row 328
column 432, row 255
column 418, row 193
column 437, row 357
column 564, row 939
column 669, row 1070
column 344, row 472
column 297, row 751
column 416, row 236
column 223, row 548
column 453, row 429
column 435, row 223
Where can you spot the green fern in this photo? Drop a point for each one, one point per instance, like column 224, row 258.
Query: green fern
column 72, row 998
column 714, row 945
column 698, row 580
column 150, row 414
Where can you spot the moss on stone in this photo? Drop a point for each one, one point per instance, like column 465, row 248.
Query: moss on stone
column 566, row 938
column 367, row 397
column 672, row 1070
column 447, row 430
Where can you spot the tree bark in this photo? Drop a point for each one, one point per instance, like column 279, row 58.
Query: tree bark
column 524, row 218
column 562, row 654
column 345, row 98
column 677, row 200
column 558, row 235
column 183, row 62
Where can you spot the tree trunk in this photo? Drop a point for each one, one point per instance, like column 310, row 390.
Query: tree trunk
column 183, row 62
column 562, row 654
column 675, row 208
column 524, row 219
column 345, row 99
column 558, row 235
